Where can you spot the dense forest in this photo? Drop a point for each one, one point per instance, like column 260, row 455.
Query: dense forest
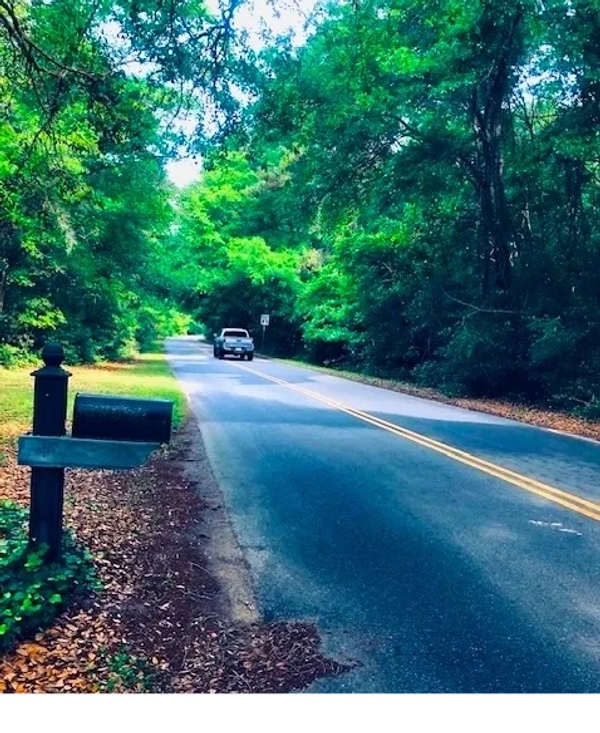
column 413, row 189
column 90, row 91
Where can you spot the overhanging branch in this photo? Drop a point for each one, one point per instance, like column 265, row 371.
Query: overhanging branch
column 32, row 52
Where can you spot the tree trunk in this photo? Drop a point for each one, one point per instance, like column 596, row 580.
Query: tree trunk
column 9, row 257
column 3, row 283
column 486, row 111
column 496, row 225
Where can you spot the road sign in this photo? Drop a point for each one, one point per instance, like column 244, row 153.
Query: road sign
column 264, row 319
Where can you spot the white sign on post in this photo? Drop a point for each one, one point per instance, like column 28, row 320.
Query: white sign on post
column 264, row 319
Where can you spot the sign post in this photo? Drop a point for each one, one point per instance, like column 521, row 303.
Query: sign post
column 264, row 322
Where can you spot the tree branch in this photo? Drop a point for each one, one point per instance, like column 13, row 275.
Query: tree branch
column 479, row 309
column 18, row 36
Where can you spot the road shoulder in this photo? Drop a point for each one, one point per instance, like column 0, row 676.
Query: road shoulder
column 556, row 421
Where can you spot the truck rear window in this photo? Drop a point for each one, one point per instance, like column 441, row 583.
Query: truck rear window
column 243, row 334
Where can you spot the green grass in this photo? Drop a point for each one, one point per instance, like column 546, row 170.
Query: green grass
column 148, row 375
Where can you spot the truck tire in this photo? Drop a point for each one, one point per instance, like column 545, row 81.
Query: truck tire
column 250, row 357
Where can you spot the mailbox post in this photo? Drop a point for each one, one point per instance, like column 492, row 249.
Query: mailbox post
column 115, row 433
column 47, row 484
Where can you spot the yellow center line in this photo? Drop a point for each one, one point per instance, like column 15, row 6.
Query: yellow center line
column 570, row 501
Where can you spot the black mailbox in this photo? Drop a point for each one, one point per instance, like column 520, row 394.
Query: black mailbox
column 107, row 417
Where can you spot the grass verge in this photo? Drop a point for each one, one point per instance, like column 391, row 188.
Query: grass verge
column 148, row 375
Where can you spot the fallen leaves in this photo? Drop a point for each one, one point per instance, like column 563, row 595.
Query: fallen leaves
column 14, row 483
column 61, row 659
column 536, row 416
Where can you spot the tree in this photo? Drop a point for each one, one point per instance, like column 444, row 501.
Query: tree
column 89, row 93
column 237, row 274
column 442, row 161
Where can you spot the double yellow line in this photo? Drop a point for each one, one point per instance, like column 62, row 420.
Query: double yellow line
column 569, row 501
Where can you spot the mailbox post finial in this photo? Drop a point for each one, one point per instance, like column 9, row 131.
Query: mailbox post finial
column 53, row 354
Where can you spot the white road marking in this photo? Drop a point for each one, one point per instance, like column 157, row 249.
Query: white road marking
column 554, row 525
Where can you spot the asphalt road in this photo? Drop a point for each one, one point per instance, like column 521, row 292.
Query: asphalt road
column 439, row 554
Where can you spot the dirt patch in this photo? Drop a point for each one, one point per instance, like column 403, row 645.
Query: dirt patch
column 176, row 612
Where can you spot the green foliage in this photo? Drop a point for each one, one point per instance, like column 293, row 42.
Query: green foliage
column 127, row 672
column 235, row 273
column 86, row 89
column 414, row 190
column 32, row 592
column 13, row 356
column 430, row 173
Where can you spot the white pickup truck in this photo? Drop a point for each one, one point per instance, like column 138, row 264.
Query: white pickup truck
column 235, row 342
